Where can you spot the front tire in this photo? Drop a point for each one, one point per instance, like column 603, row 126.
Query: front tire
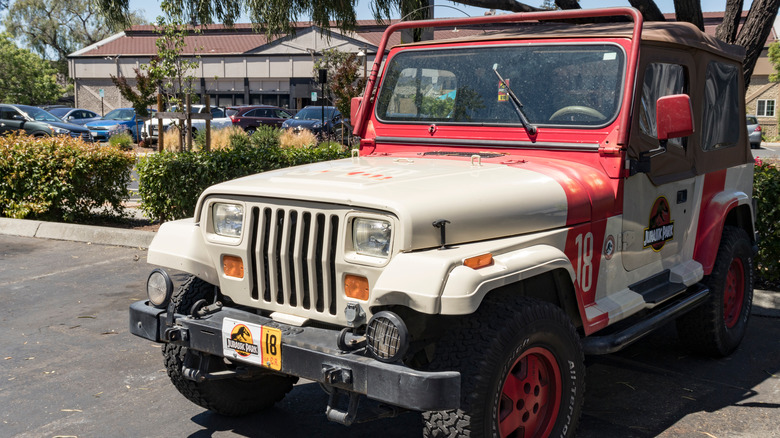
column 522, row 373
column 716, row 328
column 230, row 397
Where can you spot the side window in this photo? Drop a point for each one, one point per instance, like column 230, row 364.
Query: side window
column 5, row 113
column 721, row 106
column 661, row 80
column 217, row 113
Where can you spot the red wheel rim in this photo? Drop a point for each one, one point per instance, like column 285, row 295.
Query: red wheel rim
column 734, row 293
column 530, row 396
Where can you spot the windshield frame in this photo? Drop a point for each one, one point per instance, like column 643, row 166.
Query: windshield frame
column 623, row 59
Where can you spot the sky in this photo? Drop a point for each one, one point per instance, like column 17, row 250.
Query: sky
column 152, row 7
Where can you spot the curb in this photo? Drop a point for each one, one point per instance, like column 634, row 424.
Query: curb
column 76, row 233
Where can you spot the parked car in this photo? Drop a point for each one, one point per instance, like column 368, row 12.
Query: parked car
column 76, row 116
column 120, row 120
column 252, row 117
column 219, row 120
column 311, row 118
column 754, row 132
column 37, row 122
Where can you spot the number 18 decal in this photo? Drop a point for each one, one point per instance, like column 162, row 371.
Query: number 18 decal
column 585, row 261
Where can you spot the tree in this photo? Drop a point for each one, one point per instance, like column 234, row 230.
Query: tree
column 25, row 78
column 145, row 97
column 344, row 81
column 56, row 28
column 276, row 17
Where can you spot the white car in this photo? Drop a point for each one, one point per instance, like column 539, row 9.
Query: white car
column 220, row 120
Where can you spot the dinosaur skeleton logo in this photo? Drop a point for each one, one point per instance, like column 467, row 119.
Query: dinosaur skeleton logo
column 240, row 340
column 660, row 226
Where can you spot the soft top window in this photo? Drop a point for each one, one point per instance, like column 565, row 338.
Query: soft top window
column 720, row 128
column 574, row 85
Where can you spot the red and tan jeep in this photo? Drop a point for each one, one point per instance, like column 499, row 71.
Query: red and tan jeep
column 520, row 198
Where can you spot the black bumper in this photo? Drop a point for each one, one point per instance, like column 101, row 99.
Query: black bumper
column 311, row 353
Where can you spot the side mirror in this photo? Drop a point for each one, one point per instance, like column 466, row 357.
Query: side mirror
column 355, row 106
column 673, row 119
column 674, row 116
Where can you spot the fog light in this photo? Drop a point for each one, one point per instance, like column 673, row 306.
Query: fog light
column 159, row 288
column 387, row 337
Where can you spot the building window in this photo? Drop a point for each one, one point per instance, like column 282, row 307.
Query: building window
column 765, row 108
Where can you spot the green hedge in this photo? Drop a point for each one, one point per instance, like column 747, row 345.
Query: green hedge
column 171, row 182
column 766, row 188
column 61, row 178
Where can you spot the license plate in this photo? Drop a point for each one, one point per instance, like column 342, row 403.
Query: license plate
column 253, row 343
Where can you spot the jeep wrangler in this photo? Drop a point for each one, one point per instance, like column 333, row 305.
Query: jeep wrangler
column 521, row 197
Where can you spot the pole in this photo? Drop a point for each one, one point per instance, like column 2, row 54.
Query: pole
column 207, row 146
column 188, row 132
column 160, row 130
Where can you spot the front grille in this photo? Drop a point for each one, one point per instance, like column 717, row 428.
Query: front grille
column 86, row 136
column 293, row 258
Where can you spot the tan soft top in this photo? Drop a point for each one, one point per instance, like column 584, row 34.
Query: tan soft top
column 674, row 33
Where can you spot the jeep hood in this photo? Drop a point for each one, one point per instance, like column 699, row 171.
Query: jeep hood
column 479, row 201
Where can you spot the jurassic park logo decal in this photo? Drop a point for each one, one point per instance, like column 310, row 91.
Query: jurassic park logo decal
column 240, row 341
column 254, row 343
column 660, row 227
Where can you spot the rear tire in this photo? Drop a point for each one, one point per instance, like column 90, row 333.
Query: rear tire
column 716, row 328
column 230, row 397
column 522, row 373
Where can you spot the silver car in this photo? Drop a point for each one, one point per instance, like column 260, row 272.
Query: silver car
column 75, row 115
column 754, row 132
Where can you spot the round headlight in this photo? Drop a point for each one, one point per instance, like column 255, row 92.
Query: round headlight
column 387, row 337
column 159, row 288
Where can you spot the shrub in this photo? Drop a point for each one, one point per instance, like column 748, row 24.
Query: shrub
column 123, row 141
column 766, row 188
column 301, row 139
column 170, row 183
column 61, row 178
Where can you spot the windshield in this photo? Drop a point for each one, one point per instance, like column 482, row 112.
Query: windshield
column 575, row 85
column 314, row 113
column 120, row 114
column 59, row 112
column 40, row 115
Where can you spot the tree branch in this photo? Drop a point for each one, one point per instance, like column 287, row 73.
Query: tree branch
column 755, row 31
column 690, row 11
column 727, row 29
column 649, row 10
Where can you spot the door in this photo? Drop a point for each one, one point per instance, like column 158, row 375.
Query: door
column 659, row 206
column 10, row 120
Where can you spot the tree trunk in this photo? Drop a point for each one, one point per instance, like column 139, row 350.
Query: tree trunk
column 727, row 30
column 690, row 11
column 755, row 31
column 649, row 10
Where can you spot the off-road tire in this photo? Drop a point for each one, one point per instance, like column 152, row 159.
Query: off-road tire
column 717, row 327
column 500, row 339
column 229, row 397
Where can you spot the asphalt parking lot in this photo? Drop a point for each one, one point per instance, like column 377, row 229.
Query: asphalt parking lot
column 69, row 367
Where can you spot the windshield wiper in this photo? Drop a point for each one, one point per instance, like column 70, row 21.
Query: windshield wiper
column 529, row 128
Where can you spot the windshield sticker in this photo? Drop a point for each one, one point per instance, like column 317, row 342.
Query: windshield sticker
column 660, row 226
column 503, row 95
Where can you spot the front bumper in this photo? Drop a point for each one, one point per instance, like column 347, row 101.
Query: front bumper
column 310, row 353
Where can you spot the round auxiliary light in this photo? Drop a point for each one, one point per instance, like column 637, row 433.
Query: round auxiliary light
column 159, row 288
column 387, row 337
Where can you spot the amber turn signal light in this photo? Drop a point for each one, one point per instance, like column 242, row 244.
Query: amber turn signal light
column 233, row 266
column 356, row 287
column 479, row 261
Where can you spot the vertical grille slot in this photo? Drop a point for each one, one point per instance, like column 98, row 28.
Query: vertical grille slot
column 255, row 227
